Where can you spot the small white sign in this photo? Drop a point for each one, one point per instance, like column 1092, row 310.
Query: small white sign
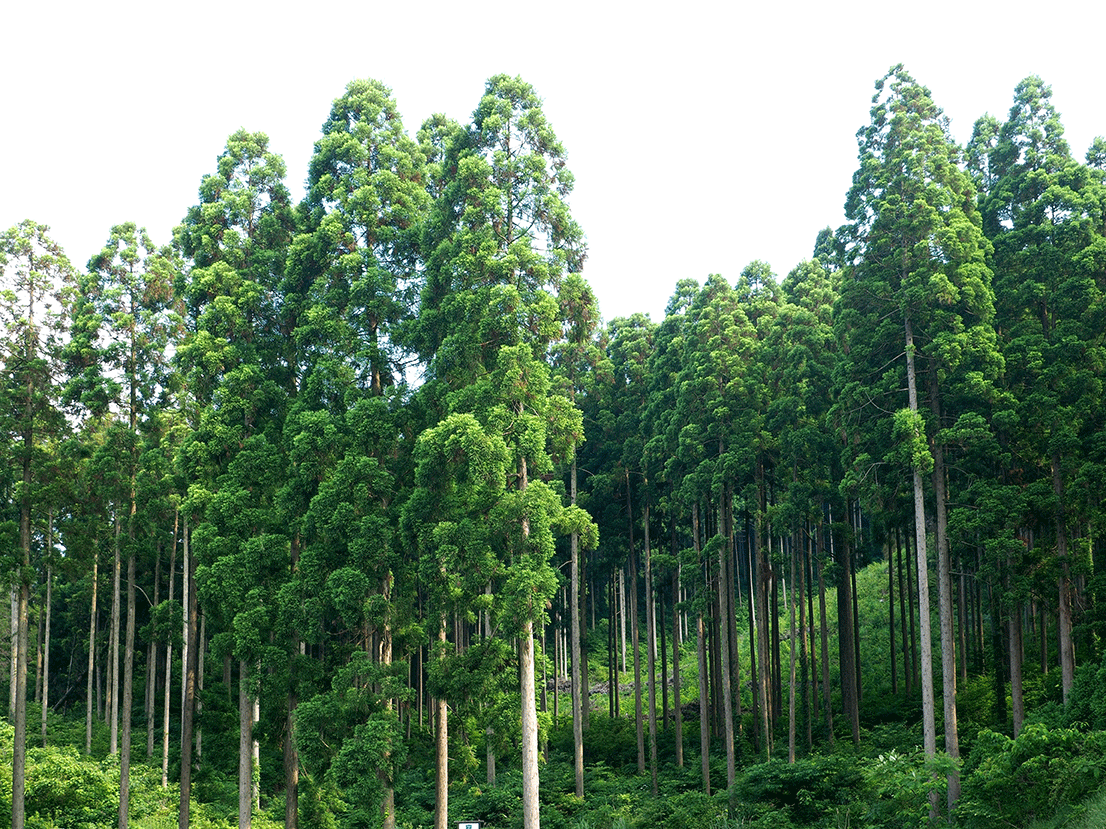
column 470, row 824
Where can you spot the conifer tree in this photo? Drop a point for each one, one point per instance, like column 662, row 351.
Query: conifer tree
column 916, row 288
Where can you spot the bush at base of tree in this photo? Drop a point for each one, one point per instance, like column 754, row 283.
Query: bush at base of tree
column 1011, row 782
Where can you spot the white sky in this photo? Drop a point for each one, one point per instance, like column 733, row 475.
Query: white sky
column 702, row 135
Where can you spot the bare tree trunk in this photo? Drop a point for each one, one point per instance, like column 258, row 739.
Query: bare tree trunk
column 701, row 653
column 441, row 746
column 1017, row 700
column 846, row 641
column 577, row 676
column 891, row 616
column 907, row 671
column 168, row 665
column 650, row 644
column 245, row 747
column 635, row 634
column 292, row 771
column 128, row 691
column 152, row 656
column 22, row 620
column 806, row 618
column 764, row 577
column 1067, row 646
column 791, row 665
column 676, row 680
column 944, row 602
column 622, row 613
column 188, row 590
column 725, row 599
column 929, row 729
column 113, row 667
column 91, row 654
column 530, row 803
column 824, row 626
column 46, row 636
column 201, row 651
column 13, row 661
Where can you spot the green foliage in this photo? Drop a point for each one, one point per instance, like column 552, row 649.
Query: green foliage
column 1014, row 781
column 806, row 789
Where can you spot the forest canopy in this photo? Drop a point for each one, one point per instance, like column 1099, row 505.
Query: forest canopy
column 360, row 514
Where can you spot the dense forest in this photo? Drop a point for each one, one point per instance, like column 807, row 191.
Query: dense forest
column 355, row 512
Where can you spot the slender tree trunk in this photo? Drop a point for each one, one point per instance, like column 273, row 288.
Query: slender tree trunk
column 945, row 606
column 754, row 649
column 577, row 675
column 911, row 584
column 89, row 707
column 46, row 635
column 764, row 624
column 929, row 729
column 292, row 772
column 168, row 665
column 725, row 597
column 846, row 642
column 791, row 664
column 201, row 651
column 676, row 680
column 39, row 633
column 188, row 590
column 530, row 814
column 128, row 690
column 806, row 618
column 245, row 747
column 585, row 679
column 907, row 671
column 152, row 657
column 650, row 644
column 701, row 653
column 622, row 614
column 387, row 782
column 635, row 634
column 963, row 617
column 113, row 668
column 22, row 623
column 1017, row 700
column 1067, row 646
column 891, row 615
column 441, row 749
column 827, row 707
column 531, row 818
column 13, row 661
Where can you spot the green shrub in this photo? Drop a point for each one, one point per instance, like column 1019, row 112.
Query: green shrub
column 1044, row 769
column 807, row 789
column 69, row 791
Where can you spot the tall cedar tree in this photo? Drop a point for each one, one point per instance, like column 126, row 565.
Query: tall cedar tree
column 916, row 294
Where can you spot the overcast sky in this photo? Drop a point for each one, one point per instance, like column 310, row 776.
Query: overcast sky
column 702, row 135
